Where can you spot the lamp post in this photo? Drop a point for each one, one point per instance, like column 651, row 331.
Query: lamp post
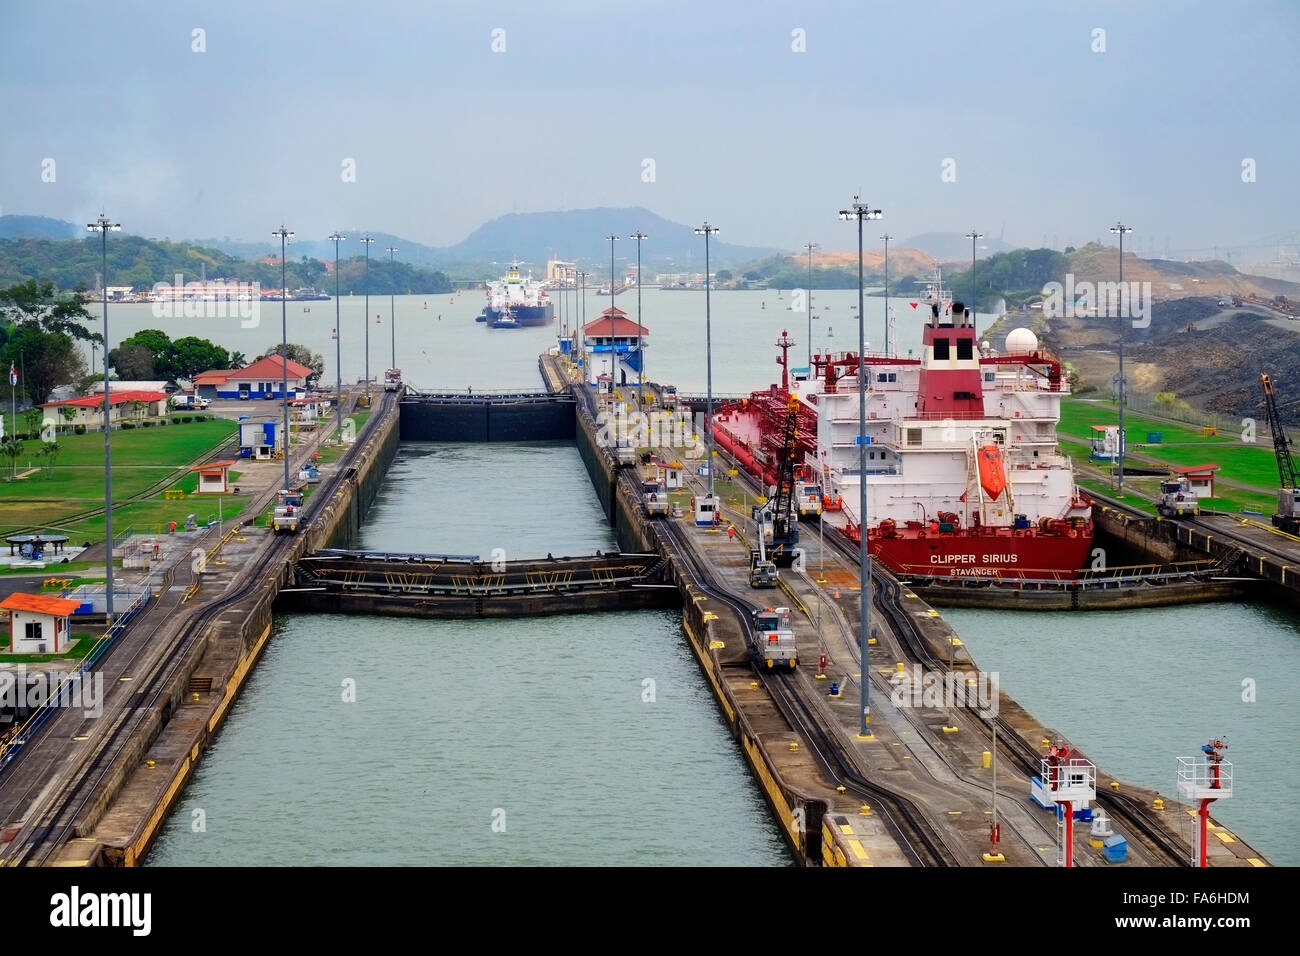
column 613, row 352
column 810, row 246
column 640, row 355
column 103, row 226
column 1121, row 230
column 972, row 236
column 366, row 241
column 707, row 230
column 392, row 290
column 861, row 211
column 284, row 235
column 886, row 238
column 580, row 291
column 336, row 238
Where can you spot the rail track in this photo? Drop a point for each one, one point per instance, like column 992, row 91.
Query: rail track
column 917, row 837
column 887, row 594
column 51, row 823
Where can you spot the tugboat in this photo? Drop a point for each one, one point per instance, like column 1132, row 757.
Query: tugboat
column 505, row 320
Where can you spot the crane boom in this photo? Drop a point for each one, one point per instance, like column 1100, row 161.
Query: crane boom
column 1281, row 444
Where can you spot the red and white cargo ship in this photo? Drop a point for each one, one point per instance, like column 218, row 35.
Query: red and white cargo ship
column 964, row 475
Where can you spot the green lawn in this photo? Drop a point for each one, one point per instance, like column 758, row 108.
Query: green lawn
column 1078, row 417
column 142, row 458
column 84, row 642
column 1252, row 464
column 153, row 515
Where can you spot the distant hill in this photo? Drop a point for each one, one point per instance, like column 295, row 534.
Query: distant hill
column 140, row 263
column 38, row 227
column 315, row 247
column 532, row 238
column 576, row 234
column 953, row 246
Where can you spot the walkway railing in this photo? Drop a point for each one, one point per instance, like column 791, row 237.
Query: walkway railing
column 61, row 694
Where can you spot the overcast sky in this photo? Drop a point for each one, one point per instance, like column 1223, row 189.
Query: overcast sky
column 1049, row 138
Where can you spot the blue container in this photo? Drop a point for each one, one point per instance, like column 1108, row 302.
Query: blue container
column 1114, row 849
column 1155, row 438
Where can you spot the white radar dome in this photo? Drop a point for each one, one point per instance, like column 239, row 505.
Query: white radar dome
column 1021, row 340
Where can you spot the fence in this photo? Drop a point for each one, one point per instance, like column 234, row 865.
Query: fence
column 37, row 718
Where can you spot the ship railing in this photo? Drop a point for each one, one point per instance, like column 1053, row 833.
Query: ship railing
column 1055, row 579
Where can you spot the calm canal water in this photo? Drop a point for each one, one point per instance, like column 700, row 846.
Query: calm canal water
column 539, row 722
column 1137, row 689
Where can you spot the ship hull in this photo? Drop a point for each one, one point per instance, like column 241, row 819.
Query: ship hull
column 987, row 553
column 525, row 315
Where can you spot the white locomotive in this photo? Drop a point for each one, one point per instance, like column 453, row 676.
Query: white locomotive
column 772, row 640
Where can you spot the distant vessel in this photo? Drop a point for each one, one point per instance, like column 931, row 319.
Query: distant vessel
column 522, row 301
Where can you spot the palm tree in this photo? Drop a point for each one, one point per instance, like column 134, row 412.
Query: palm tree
column 69, row 412
column 11, row 448
column 50, row 454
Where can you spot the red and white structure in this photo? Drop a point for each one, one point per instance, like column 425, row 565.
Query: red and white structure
column 1204, row 779
column 1069, row 780
column 964, row 476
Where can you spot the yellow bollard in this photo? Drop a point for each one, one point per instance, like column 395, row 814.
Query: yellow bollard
column 793, row 746
column 1158, row 805
column 899, row 665
column 1114, row 785
column 988, row 759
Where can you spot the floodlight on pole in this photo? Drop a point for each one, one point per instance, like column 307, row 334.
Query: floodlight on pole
column 104, row 226
column 862, row 211
column 1121, row 230
column 707, row 230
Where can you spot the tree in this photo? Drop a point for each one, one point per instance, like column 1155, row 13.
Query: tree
column 49, row 455
column 68, row 412
column 156, row 344
column 38, row 335
column 134, row 363
column 11, row 448
column 192, row 355
column 237, row 360
column 302, row 355
column 723, row 275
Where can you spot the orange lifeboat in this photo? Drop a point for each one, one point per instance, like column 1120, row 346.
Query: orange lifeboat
column 993, row 477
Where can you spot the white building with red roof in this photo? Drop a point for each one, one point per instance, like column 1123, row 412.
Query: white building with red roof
column 38, row 623
column 125, row 406
column 629, row 342
column 263, row 379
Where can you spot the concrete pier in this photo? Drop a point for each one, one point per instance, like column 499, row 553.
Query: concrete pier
column 917, row 792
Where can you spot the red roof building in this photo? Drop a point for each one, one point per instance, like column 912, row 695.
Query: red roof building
column 38, row 624
column 1200, row 478
column 263, row 379
column 214, row 477
column 613, row 332
column 123, row 407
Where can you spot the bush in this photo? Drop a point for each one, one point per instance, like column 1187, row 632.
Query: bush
column 126, row 426
column 146, row 424
column 79, row 429
column 190, row 418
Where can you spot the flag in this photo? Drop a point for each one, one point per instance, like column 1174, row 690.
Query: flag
column 13, row 375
